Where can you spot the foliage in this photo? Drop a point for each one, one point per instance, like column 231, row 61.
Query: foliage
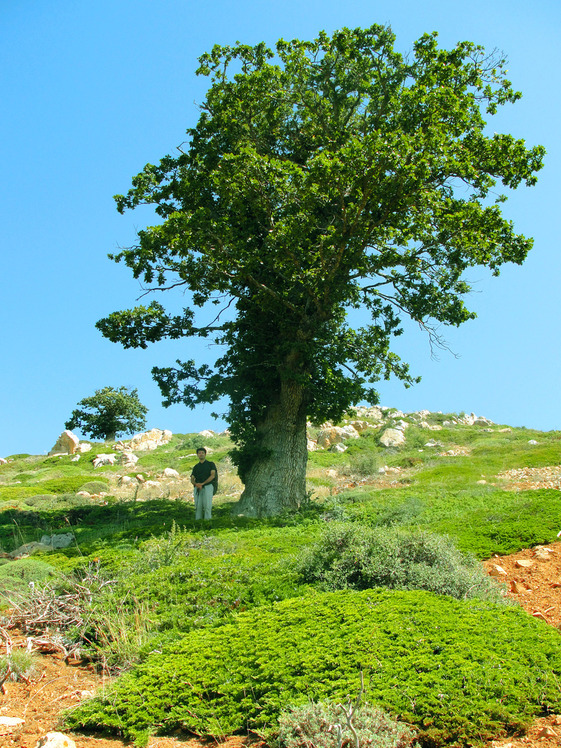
column 322, row 176
column 460, row 672
column 16, row 575
column 350, row 556
column 109, row 412
column 312, row 725
column 18, row 665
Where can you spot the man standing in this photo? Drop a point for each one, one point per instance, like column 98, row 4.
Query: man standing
column 202, row 478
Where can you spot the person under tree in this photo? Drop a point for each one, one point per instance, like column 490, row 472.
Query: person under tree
column 203, row 476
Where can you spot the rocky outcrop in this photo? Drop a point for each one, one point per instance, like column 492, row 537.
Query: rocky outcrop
column 147, row 441
column 329, row 436
column 392, row 438
column 105, row 459
column 66, row 444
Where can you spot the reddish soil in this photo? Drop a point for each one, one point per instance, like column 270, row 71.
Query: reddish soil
column 533, row 577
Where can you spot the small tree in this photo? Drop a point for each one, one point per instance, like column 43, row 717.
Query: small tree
column 109, row 412
column 322, row 177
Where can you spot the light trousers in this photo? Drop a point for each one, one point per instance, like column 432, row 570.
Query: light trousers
column 203, row 501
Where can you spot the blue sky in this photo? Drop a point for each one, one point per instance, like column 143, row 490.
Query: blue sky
column 93, row 91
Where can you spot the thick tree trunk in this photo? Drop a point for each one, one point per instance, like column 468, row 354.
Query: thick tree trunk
column 276, row 482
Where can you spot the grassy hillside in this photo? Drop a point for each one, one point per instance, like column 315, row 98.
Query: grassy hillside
column 226, row 625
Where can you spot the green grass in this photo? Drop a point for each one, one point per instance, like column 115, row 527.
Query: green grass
column 226, row 603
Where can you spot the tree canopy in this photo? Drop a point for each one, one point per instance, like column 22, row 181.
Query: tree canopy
column 321, row 177
column 108, row 413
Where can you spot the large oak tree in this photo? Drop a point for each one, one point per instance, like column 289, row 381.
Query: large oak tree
column 321, row 177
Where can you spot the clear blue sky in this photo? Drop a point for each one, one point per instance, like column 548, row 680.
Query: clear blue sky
column 91, row 92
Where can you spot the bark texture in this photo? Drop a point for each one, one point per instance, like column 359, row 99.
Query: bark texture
column 276, row 481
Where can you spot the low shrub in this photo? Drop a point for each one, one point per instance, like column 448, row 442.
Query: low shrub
column 460, row 671
column 95, row 486
column 16, row 576
column 318, row 725
column 351, row 556
column 18, row 665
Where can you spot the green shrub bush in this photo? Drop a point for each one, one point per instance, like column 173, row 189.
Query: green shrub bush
column 95, row 486
column 460, row 671
column 15, row 576
column 314, row 725
column 351, row 556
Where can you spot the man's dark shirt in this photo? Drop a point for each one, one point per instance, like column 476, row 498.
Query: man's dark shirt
column 201, row 471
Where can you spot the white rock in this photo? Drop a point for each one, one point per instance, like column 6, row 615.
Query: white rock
column 207, row 434
column 11, row 721
column 75, row 458
column 83, row 447
column 532, row 441
column 65, row 444
column 149, row 440
column 339, row 448
column 151, row 484
column 55, row 740
column 125, row 480
column 392, row 438
column 85, row 494
column 3, row 461
column 311, row 445
column 104, row 460
column 128, row 459
column 170, row 473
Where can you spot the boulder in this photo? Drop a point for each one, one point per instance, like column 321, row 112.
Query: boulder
column 149, row 440
column 332, row 435
column 3, row 461
column 84, row 447
column 63, row 540
column 339, row 448
column 125, row 480
column 207, row 434
column 104, row 460
column 9, row 724
column 28, row 549
column 311, row 445
column 66, row 444
column 56, row 740
column 392, row 438
column 128, row 459
column 170, row 473
column 360, row 426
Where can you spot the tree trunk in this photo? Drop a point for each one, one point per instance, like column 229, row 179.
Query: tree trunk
column 276, row 481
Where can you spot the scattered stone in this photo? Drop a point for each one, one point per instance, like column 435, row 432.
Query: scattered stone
column 75, row 458
column 84, row 447
column 207, row 434
column 360, row 426
column 517, row 588
column 331, row 435
column 312, row 446
column 532, row 441
column 149, row 440
column 56, row 740
column 140, row 478
column 332, row 473
column 28, row 549
column 125, row 480
column 170, row 473
column 152, row 484
column 506, row 430
column 85, row 494
column 128, row 459
column 65, row 444
column 104, row 460
column 339, row 448
column 542, row 554
column 523, row 563
column 392, row 438
column 481, row 482
column 9, row 724
column 432, row 443
column 497, row 571
column 547, row 732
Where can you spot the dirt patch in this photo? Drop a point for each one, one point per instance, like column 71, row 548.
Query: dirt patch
column 528, row 479
column 532, row 577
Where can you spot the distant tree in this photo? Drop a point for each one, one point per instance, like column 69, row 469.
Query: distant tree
column 109, row 412
column 328, row 176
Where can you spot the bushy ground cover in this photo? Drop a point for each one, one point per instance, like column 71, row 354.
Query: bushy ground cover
column 459, row 671
column 160, row 581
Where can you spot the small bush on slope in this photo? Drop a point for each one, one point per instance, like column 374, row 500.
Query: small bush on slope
column 314, row 726
column 351, row 556
column 460, row 671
